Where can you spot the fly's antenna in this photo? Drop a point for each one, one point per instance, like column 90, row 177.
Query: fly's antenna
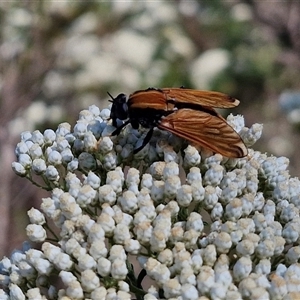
column 109, row 94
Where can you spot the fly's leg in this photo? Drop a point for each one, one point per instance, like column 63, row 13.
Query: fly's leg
column 118, row 130
column 145, row 141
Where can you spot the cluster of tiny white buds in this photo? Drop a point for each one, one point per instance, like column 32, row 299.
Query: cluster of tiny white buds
column 199, row 224
column 236, row 122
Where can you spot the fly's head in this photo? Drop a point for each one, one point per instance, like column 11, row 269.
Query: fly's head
column 119, row 109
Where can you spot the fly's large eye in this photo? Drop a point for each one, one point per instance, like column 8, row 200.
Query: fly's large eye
column 120, row 108
column 121, row 98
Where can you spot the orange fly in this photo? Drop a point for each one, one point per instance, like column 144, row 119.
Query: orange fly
column 187, row 113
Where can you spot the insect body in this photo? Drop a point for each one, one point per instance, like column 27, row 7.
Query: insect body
column 185, row 112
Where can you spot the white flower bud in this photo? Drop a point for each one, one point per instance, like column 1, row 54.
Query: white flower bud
column 72, row 247
column 39, row 166
column 99, row 293
column 89, row 280
column 194, row 176
column 105, row 145
column 184, row 195
column 15, row 292
column 209, row 255
column 103, row 266
column 37, row 137
column 34, row 294
column 25, row 160
column 25, row 136
column 73, row 165
column 198, row 191
column 52, row 173
column 195, row 222
column 63, row 129
column 74, row 290
column 156, row 169
column 54, row 158
column 26, row 270
column 35, row 151
column 217, row 212
column 170, row 155
column 80, row 129
column 157, row 190
column 223, row 277
column 67, row 277
column 234, row 209
column 49, row 136
column 278, row 288
column 94, row 110
column 86, row 195
column 22, row 148
column 263, row 267
column 223, row 242
column 18, row 169
column 110, row 161
column 146, row 181
column 87, row 161
column 165, row 257
column 107, row 194
column 69, row 207
column 236, row 122
column 259, row 221
column 107, row 223
column 265, row 249
column 115, row 180
column 36, row 233
column 218, row 291
column 121, row 234
column 86, row 262
column 133, row 177
column 247, row 204
column 62, row 144
column 63, row 261
column 36, row 217
column 143, row 231
column 105, row 114
column 89, row 141
column 172, row 184
column 67, row 155
column 213, row 175
column 128, row 202
column 119, row 269
column 259, row 201
column 132, row 246
column 251, row 135
column 242, row 268
column 211, row 196
column 172, row 288
column 205, row 279
column 192, row 157
column 229, row 192
column 159, row 272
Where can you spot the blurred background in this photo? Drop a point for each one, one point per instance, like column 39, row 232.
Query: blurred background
column 59, row 57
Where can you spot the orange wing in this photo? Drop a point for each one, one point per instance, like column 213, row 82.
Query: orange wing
column 157, row 98
column 204, row 129
column 204, row 98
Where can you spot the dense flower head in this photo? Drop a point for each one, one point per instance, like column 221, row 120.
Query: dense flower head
column 198, row 224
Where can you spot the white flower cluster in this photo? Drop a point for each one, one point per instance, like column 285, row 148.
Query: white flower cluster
column 201, row 226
